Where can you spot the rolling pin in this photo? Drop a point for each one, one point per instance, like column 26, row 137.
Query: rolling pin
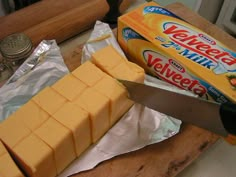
column 35, row 14
column 70, row 23
column 59, row 19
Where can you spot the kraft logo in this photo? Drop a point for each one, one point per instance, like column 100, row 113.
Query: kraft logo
column 176, row 65
column 207, row 39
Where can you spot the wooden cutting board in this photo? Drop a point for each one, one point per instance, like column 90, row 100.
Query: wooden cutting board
column 168, row 158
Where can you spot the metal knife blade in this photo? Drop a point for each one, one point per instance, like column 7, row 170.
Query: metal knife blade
column 199, row 112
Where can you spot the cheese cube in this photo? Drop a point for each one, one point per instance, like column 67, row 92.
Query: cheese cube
column 12, row 131
column 8, row 168
column 69, row 86
column 128, row 71
column 35, row 156
column 114, row 64
column 88, row 73
column 31, row 115
column 49, row 100
column 2, row 149
column 107, row 58
column 77, row 120
column 119, row 102
column 98, row 107
column 59, row 138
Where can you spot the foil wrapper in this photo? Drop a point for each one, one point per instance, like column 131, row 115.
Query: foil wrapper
column 139, row 127
column 42, row 68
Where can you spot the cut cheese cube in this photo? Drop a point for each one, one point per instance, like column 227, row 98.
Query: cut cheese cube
column 119, row 102
column 117, row 66
column 59, row 138
column 107, row 58
column 126, row 71
column 69, row 87
column 98, row 107
column 12, row 131
column 2, row 149
column 88, row 73
column 35, row 157
column 8, row 168
column 31, row 115
column 77, row 120
column 49, row 100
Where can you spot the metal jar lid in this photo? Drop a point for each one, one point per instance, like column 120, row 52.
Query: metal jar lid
column 16, row 46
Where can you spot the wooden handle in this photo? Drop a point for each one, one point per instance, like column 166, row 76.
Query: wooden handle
column 69, row 23
column 35, row 14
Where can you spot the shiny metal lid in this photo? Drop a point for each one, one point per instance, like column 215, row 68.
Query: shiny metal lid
column 16, row 46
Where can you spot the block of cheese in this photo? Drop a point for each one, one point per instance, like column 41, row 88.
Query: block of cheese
column 97, row 105
column 107, row 58
column 31, row 115
column 35, row 157
column 69, row 86
column 8, row 168
column 78, row 121
column 119, row 102
column 12, row 131
column 113, row 63
column 88, row 73
column 49, row 100
column 60, row 139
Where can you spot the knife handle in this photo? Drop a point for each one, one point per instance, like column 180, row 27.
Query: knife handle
column 228, row 118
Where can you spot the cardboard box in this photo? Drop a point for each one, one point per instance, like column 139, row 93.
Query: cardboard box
column 177, row 52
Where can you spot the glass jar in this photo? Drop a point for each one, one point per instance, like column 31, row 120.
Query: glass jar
column 14, row 49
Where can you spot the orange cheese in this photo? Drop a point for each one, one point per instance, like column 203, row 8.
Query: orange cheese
column 12, row 131
column 97, row 105
column 107, row 58
column 31, row 115
column 8, row 168
column 69, row 87
column 59, row 138
column 77, row 120
column 119, row 102
column 114, row 64
column 49, row 100
column 35, row 157
column 88, row 73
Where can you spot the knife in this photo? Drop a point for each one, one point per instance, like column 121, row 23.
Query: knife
column 215, row 117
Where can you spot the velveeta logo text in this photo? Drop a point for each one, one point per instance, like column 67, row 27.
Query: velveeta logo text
column 173, row 72
column 199, row 48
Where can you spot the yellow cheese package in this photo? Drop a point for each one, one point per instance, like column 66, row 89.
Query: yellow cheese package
column 175, row 51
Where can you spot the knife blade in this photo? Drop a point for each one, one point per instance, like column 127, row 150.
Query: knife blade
column 215, row 117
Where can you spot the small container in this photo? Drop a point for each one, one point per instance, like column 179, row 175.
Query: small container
column 15, row 47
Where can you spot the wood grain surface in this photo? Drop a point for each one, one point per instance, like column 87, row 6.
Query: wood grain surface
column 70, row 23
column 168, row 158
column 35, row 14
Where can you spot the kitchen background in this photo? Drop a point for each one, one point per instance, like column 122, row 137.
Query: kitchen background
column 220, row 12
column 219, row 160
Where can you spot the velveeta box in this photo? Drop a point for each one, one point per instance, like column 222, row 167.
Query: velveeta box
column 177, row 52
